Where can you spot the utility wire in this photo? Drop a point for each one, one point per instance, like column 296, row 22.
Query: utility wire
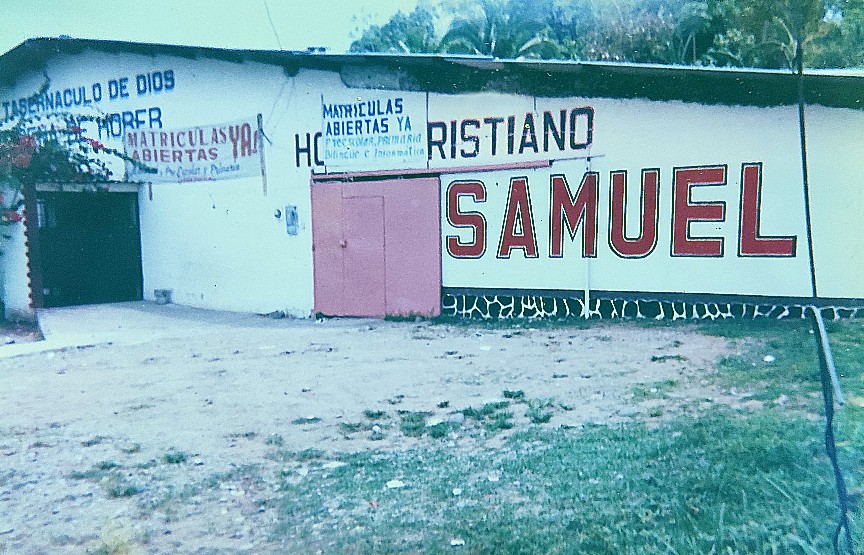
column 823, row 347
column 270, row 19
column 831, row 446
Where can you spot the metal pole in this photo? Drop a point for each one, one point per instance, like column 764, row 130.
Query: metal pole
column 827, row 372
column 261, row 154
column 829, row 358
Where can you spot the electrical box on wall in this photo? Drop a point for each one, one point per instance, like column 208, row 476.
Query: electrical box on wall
column 291, row 220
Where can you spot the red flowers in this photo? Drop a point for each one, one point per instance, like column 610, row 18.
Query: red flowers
column 12, row 216
column 27, row 142
column 19, row 153
column 95, row 144
column 22, row 160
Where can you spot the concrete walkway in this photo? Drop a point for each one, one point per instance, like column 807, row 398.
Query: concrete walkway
column 127, row 323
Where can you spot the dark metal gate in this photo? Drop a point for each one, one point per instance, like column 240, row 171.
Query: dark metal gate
column 85, row 248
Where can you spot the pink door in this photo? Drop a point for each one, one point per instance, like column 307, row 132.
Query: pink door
column 377, row 247
column 363, row 285
column 326, row 246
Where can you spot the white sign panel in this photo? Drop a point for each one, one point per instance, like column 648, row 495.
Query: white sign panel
column 200, row 153
column 665, row 204
column 494, row 128
column 368, row 130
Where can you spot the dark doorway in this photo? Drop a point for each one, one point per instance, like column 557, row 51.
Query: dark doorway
column 88, row 248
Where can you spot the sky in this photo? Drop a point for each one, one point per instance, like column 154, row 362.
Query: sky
column 220, row 23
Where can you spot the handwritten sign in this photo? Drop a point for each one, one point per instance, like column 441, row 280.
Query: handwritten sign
column 200, row 153
column 374, row 130
column 83, row 95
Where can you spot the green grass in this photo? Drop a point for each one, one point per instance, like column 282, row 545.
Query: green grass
column 723, row 483
column 487, row 410
column 795, row 370
column 109, row 475
column 515, row 395
column 666, row 358
column 413, row 423
column 374, row 414
column 728, row 481
column 117, row 486
column 354, row 427
column 537, row 411
column 439, row 430
column 306, row 420
column 499, row 421
column 655, row 390
column 721, row 480
column 305, row 455
column 275, row 439
column 175, row 457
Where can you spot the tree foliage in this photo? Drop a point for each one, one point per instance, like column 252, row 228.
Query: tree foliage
column 511, row 29
column 404, row 34
column 741, row 33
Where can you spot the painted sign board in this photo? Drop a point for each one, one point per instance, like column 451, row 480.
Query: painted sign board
column 653, row 205
column 368, row 130
column 495, row 128
column 575, row 227
column 198, row 153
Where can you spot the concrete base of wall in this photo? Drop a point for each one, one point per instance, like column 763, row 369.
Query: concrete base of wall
column 19, row 316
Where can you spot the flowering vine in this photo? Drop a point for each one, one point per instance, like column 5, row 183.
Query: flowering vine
column 50, row 148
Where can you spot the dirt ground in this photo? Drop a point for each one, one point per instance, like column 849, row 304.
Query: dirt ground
column 165, row 414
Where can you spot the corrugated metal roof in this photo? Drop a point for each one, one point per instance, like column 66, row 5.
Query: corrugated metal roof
column 463, row 74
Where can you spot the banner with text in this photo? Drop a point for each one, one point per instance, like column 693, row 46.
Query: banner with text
column 200, row 153
column 367, row 130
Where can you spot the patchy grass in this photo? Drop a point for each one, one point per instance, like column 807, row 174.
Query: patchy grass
column 374, row 414
column 723, row 483
column 131, row 448
column 99, row 471
column 241, row 473
column 491, row 416
column 171, row 500
column 666, row 358
column 499, row 421
column 488, row 409
column 439, row 430
column 306, row 420
column 275, row 439
column 538, row 410
column 413, row 423
column 354, row 427
column 175, row 457
column 511, row 324
column 118, row 486
column 514, row 395
column 729, row 481
column 656, row 390
column 109, row 475
column 95, row 440
column 305, row 455
column 794, row 370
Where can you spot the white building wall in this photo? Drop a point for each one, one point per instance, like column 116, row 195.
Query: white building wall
column 14, row 271
column 221, row 245
column 216, row 244
column 835, row 150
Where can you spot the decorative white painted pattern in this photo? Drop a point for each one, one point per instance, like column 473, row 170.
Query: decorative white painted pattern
column 534, row 306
